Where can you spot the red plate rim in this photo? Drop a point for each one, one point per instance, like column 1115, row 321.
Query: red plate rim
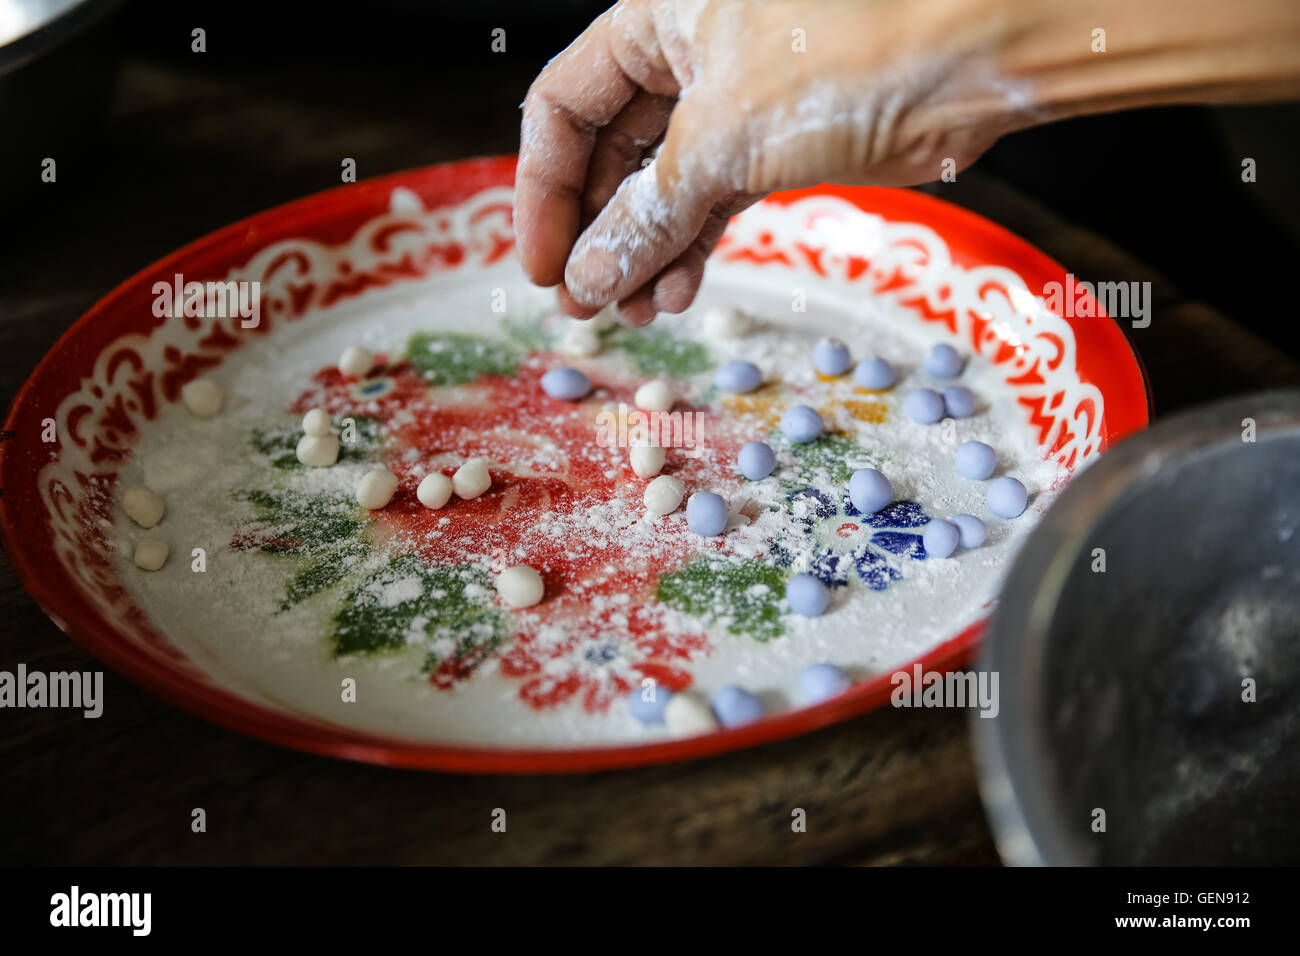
column 1101, row 346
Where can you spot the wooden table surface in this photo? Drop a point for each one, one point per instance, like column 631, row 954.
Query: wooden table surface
column 889, row 787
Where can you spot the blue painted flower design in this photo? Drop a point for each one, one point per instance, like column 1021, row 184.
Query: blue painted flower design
column 600, row 654
column 844, row 542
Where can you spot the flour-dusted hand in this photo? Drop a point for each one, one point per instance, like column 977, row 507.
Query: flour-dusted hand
column 740, row 97
column 666, row 117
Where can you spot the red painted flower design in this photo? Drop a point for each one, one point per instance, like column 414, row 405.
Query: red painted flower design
column 599, row 659
column 559, row 501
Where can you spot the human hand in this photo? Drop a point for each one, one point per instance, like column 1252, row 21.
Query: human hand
column 750, row 96
column 746, row 97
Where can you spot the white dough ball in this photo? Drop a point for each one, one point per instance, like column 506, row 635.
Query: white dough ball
column 655, row 396
column 725, row 323
column 150, row 553
column 664, row 495
column 376, row 487
column 318, row 451
column 434, row 490
column 356, row 361
column 647, row 460
column 581, row 339
column 143, row 506
column 520, row 586
column 472, row 478
column 687, row 714
column 317, row 423
column 203, row 397
column 604, row 320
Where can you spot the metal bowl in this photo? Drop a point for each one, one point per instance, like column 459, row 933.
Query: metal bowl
column 1126, row 731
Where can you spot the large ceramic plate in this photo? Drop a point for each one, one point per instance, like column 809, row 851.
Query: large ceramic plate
column 288, row 612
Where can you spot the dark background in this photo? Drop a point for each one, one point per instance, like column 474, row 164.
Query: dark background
column 157, row 146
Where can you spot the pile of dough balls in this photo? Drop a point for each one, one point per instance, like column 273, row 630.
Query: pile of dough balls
column 145, row 507
column 319, row 446
column 378, row 485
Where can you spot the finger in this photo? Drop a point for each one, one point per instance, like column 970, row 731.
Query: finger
column 675, row 287
column 638, row 309
column 658, row 210
column 639, row 231
column 621, row 146
column 577, row 93
column 565, row 303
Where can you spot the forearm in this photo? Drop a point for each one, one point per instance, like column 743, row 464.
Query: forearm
column 1157, row 52
column 887, row 84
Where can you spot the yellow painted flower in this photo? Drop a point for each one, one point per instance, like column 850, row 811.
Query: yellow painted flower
column 874, row 413
column 840, row 415
column 766, row 405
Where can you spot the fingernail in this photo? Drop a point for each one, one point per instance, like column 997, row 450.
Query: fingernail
column 591, row 277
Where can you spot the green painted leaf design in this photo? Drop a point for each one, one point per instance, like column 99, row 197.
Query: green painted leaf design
column 527, row 334
column 748, row 595
column 831, row 457
column 325, row 571
column 326, row 530
column 454, row 358
column 292, row 522
column 660, row 352
column 278, row 443
column 408, row 602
